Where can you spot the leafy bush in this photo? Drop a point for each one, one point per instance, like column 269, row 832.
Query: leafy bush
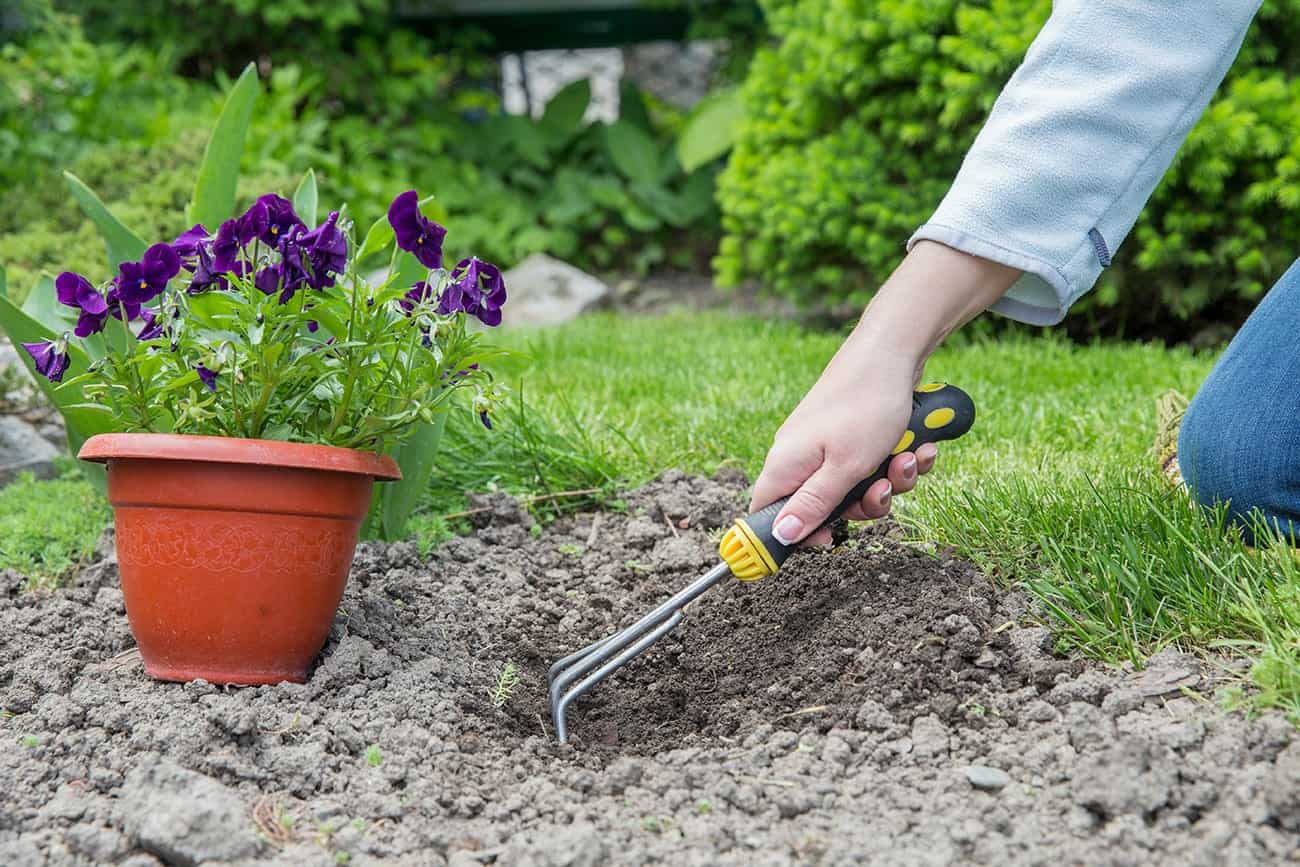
column 856, row 122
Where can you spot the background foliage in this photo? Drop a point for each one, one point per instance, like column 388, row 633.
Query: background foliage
column 372, row 107
column 856, row 119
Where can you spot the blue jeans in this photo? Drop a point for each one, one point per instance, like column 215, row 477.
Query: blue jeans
column 1240, row 440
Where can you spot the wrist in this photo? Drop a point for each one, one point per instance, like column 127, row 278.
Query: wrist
column 933, row 292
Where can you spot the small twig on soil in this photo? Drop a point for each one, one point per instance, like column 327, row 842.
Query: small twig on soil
column 669, row 522
column 759, row 781
column 805, row 711
column 121, row 660
column 293, row 724
column 1004, row 627
column 270, row 818
column 541, row 722
column 595, row 528
column 527, row 501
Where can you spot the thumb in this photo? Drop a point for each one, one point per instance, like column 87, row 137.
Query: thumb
column 812, row 504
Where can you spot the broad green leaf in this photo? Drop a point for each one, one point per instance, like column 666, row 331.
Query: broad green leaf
column 4, row 283
column 81, row 419
column 563, row 115
column 633, row 152
column 123, row 245
column 710, row 129
column 214, row 191
column 395, row 501
column 665, row 204
column 43, row 305
column 304, row 198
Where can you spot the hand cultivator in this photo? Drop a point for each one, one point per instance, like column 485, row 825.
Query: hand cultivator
column 750, row 552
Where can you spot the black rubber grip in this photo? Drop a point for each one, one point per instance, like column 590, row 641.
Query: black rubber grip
column 939, row 412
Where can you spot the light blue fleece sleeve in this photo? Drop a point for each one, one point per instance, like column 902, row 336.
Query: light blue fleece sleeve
column 1079, row 138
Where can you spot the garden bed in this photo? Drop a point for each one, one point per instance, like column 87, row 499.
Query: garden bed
column 829, row 715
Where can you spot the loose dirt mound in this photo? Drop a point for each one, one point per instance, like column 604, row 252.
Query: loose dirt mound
column 830, row 715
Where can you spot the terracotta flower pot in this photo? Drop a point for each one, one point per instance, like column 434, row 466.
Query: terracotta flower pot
column 233, row 552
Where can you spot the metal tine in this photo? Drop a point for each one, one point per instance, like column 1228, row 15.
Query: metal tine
column 557, row 715
column 559, row 665
column 576, row 665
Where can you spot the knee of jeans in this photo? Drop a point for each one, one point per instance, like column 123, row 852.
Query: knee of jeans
column 1223, row 462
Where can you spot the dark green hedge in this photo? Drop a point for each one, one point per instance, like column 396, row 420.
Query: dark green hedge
column 858, row 114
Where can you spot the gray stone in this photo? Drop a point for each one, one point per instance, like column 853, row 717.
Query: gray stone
column 546, row 291
column 984, row 777
column 185, row 817
column 24, row 450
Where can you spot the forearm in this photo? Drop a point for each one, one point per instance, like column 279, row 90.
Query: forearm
column 933, row 292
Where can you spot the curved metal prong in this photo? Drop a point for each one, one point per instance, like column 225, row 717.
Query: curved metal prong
column 630, row 653
column 620, row 647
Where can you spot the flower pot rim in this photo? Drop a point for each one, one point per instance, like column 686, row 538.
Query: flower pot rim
column 103, row 448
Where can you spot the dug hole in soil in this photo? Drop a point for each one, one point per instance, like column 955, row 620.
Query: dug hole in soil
column 873, row 704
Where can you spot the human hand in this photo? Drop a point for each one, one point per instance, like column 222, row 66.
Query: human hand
column 853, row 417
column 837, row 436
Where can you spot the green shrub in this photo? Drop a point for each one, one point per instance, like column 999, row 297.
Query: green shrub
column 857, row 120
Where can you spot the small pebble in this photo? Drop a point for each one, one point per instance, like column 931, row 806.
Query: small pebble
column 984, row 777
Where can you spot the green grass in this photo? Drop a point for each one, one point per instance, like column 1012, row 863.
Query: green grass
column 1055, row 489
column 48, row 526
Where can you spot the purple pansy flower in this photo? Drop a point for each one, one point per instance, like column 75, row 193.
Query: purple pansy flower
column 117, row 304
column 141, row 282
column 415, row 232
column 206, row 275
column 190, row 242
column 282, row 277
column 314, row 257
column 272, row 218
column 233, row 236
column 483, row 417
column 76, row 291
column 417, row 294
column 209, row 377
column 48, row 360
column 155, row 326
column 476, row 288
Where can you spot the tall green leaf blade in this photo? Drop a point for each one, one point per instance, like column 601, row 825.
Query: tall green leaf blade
column 710, row 130
column 395, row 501
column 4, row 283
column 304, row 198
column 214, row 191
column 633, row 152
column 123, row 245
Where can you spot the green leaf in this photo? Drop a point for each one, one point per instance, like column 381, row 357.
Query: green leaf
column 395, row 501
column 82, row 420
column 631, row 106
column 4, row 283
column 663, row 203
column 377, row 239
column 304, row 198
column 564, row 113
column 43, row 305
column 633, row 152
column 710, row 129
column 123, row 245
column 214, row 191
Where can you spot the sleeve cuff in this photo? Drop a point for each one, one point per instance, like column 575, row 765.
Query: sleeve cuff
column 1041, row 296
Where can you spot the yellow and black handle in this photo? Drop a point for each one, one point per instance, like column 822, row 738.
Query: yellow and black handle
column 939, row 412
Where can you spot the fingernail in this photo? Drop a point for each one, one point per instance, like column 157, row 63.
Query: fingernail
column 887, row 495
column 788, row 530
column 909, row 466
